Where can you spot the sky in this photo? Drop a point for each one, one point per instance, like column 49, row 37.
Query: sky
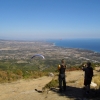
column 49, row 19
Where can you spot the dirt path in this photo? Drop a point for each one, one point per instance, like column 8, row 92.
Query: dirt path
column 25, row 89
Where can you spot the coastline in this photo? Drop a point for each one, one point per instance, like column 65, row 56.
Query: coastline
column 83, row 44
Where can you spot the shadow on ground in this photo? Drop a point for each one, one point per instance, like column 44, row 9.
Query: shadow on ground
column 78, row 93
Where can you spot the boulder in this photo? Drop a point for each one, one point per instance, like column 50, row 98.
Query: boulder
column 93, row 84
column 51, row 74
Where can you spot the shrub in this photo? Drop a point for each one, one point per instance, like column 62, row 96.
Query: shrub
column 52, row 83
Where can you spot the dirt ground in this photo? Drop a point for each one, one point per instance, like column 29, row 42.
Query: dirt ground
column 32, row 89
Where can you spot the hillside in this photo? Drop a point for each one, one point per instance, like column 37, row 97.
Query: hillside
column 15, row 64
column 26, row 89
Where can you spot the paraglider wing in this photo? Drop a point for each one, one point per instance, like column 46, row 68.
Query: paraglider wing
column 37, row 55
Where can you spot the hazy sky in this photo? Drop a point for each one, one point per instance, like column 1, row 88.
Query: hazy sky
column 45, row 19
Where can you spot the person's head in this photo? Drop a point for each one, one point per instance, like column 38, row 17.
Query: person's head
column 88, row 64
column 62, row 61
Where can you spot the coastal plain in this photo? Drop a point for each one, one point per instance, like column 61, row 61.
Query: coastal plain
column 24, row 50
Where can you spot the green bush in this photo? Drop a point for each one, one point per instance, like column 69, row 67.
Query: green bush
column 52, row 83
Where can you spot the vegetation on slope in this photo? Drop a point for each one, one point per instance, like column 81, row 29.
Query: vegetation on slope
column 12, row 70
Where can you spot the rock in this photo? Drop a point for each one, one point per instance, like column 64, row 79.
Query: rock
column 93, row 84
column 51, row 74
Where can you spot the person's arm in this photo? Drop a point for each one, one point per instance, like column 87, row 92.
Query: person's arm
column 83, row 68
column 59, row 67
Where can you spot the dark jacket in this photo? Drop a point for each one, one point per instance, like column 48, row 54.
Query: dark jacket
column 88, row 72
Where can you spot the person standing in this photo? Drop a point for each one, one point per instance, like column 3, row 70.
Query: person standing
column 87, row 76
column 62, row 78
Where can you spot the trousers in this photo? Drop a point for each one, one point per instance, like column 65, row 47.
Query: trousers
column 62, row 82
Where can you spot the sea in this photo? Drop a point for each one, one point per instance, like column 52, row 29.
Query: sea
column 87, row 44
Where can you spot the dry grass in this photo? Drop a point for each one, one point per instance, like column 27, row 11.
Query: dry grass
column 7, row 76
column 10, row 76
column 96, row 79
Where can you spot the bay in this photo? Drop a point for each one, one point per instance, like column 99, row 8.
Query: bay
column 87, row 44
